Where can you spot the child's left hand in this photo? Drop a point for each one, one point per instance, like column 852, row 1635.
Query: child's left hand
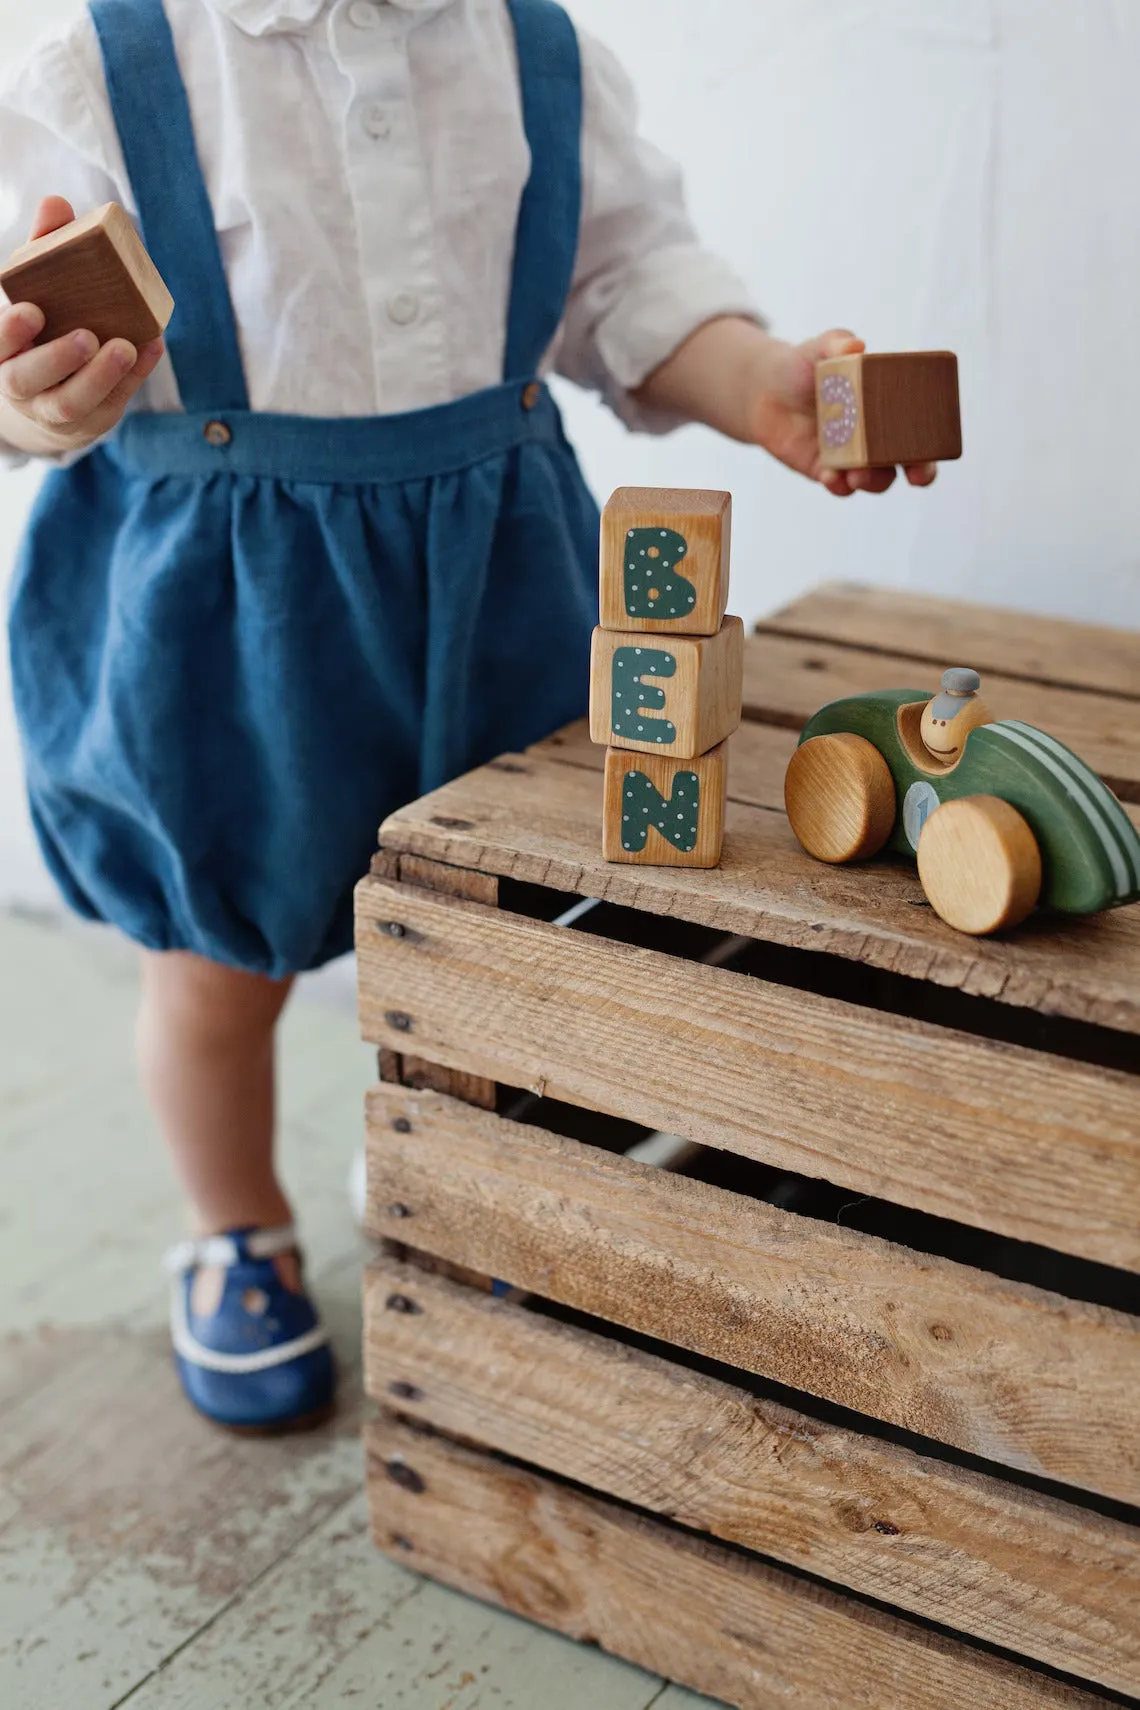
column 781, row 414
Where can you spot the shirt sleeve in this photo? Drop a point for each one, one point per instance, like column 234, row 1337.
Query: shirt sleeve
column 642, row 283
column 52, row 143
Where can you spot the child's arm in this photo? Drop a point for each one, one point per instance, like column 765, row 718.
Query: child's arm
column 664, row 329
column 733, row 376
column 57, row 399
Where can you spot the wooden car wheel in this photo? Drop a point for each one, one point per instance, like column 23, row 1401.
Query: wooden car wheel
column 979, row 864
column 840, row 797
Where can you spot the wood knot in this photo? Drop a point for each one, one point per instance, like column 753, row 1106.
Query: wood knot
column 885, row 1527
column 942, row 1332
column 399, row 1020
column 399, row 1210
column 401, row 1125
column 447, row 824
column 405, row 1391
column 405, row 1476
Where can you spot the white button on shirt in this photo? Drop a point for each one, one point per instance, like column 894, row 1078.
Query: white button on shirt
column 371, row 280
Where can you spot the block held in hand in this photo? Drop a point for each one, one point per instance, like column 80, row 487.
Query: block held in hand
column 94, row 273
column 876, row 410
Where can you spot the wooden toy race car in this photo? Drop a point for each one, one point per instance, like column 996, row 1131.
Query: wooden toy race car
column 1001, row 817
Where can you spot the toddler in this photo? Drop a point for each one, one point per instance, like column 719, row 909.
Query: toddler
column 302, row 561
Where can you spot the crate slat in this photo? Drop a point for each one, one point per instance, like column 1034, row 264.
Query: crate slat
column 539, row 821
column 758, row 756
column 1012, row 1373
column 722, row 1623
column 950, row 632
column 901, row 1527
column 786, row 681
column 1030, row 1145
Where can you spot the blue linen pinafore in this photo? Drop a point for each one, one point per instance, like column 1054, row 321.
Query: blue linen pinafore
column 240, row 640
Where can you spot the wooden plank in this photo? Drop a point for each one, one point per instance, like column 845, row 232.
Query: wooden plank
column 536, row 820
column 787, row 680
column 722, row 1623
column 980, row 1554
column 758, row 756
column 999, row 1369
column 952, row 632
column 1031, row 1145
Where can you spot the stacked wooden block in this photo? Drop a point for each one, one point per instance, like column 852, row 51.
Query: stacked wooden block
column 664, row 711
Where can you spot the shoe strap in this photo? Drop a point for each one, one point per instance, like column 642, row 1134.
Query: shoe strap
column 231, row 1249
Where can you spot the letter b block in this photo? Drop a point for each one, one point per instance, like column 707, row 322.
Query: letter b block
column 665, row 812
column 680, row 696
column 665, row 559
column 875, row 410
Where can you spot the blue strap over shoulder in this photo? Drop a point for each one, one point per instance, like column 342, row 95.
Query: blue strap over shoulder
column 546, row 247
column 152, row 113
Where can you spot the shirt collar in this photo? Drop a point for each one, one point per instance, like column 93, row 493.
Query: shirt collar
column 271, row 17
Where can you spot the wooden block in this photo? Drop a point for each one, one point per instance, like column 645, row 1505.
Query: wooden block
column 886, row 409
column 680, row 700
column 665, row 812
column 665, row 558
column 94, row 273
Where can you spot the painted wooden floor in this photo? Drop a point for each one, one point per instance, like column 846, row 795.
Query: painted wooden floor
column 146, row 1559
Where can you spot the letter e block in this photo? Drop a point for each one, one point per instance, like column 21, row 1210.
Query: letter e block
column 876, row 410
column 665, row 812
column 680, row 696
column 665, row 557
column 93, row 273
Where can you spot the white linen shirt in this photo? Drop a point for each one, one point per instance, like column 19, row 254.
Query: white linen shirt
column 365, row 161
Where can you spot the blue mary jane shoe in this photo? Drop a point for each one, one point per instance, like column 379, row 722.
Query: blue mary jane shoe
column 262, row 1360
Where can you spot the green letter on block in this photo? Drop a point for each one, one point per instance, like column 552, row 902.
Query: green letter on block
column 653, row 586
column 630, row 695
column 643, row 805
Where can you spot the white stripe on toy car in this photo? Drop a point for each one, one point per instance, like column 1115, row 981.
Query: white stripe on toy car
column 1097, row 788
column 1022, row 738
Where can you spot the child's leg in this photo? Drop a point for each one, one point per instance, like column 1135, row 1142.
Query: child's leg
column 206, row 1051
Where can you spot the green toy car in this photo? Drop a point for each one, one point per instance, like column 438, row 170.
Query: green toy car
column 1000, row 816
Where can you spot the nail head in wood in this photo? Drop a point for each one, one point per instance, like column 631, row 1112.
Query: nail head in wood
column 405, row 1391
column 403, row 1303
column 398, row 1019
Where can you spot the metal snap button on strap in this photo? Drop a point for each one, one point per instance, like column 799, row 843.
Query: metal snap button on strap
column 217, row 433
column 531, row 395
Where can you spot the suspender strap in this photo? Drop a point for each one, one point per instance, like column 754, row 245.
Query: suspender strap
column 546, row 245
column 152, row 113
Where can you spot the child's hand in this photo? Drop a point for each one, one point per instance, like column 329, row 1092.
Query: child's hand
column 782, row 415
column 71, row 391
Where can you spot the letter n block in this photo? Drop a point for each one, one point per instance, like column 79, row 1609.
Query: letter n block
column 879, row 409
column 680, row 696
column 665, row 560
column 665, row 812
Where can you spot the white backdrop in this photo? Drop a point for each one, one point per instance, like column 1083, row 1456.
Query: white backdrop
column 957, row 173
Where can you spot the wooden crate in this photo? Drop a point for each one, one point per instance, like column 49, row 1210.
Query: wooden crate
column 843, row 1413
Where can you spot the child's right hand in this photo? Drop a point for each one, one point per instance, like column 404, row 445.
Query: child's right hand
column 72, row 391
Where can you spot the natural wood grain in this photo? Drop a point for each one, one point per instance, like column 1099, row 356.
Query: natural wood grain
column 704, row 520
column 912, row 1531
column 659, row 812
column 722, row 1623
column 1013, row 1373
column 679, row 697
column 935, row 631
column 94, row 274
column 787, row 680
column 840, row 797
column 979, row 865
column 1031, row 1145
column 538, row 822
column 880, row 408
column 758, row 761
